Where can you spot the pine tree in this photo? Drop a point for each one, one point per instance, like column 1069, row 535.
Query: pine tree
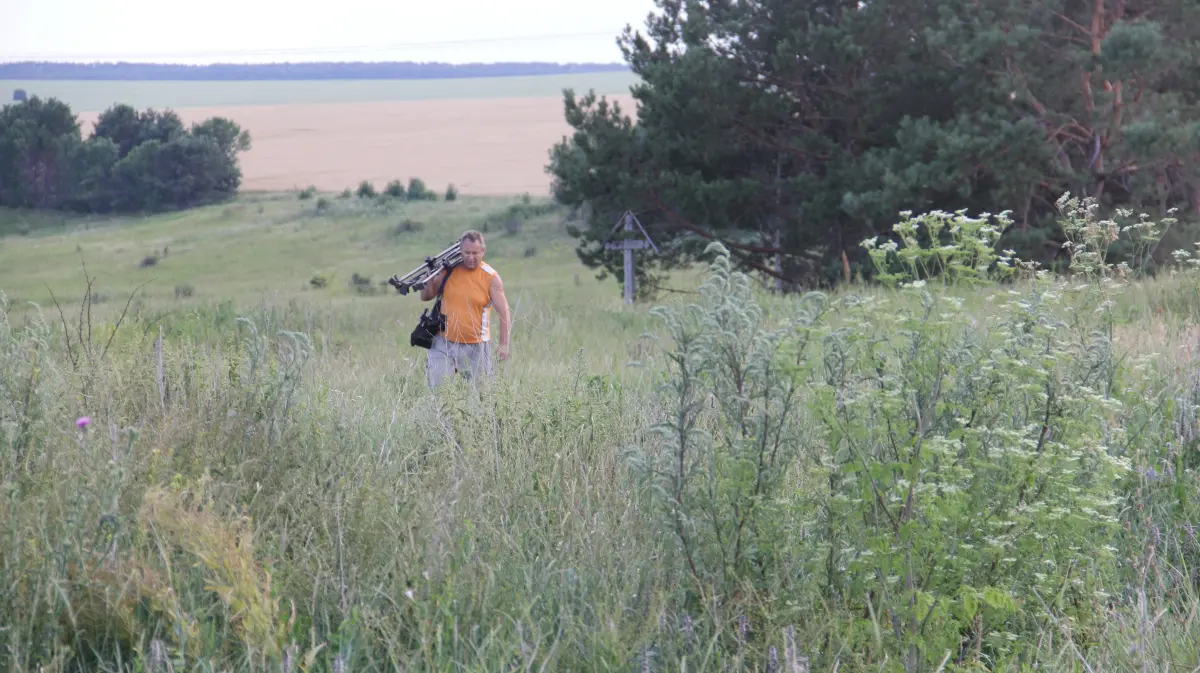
column 791, row 131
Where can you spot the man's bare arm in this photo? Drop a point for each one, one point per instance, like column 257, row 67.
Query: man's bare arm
column 501, row 304
column 431, row 288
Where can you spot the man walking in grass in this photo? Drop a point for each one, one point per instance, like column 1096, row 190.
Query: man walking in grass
column 473, row 289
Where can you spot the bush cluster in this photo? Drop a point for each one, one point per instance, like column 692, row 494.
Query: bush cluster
column 132, row 161
column 415, row 191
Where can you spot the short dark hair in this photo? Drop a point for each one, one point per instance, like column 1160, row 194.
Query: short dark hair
column 472, row 235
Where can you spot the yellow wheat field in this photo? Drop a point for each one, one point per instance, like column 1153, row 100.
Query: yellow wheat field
column 492, row 146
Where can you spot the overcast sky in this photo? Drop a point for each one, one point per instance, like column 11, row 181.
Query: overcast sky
column 249, row 31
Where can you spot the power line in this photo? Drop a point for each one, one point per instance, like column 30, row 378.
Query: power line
column 309, row 50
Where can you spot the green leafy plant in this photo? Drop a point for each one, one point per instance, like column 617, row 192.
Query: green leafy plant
column 951, row 247
column 721, row 454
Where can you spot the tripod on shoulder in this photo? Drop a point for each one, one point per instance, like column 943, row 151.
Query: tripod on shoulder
column 431, row 322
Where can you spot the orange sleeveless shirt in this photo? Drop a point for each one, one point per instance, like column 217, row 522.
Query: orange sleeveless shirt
column 467, row 303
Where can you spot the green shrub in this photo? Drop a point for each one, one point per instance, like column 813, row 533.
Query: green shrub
column 362, row 284
column 728, row 437
column 417, row 191
column 407, row 226
column 395, row 189
column 932, row 482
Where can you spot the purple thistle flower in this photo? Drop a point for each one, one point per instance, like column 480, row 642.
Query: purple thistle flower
column 82, row 422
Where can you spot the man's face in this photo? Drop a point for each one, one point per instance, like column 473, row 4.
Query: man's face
column 472, row 254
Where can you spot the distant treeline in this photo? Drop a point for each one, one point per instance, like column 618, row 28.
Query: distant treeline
column 289, row 71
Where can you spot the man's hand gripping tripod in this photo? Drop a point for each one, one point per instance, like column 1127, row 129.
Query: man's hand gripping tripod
column 418, row 277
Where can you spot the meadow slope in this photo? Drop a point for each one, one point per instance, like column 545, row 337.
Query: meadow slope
column 267, row 250
column 986, row 473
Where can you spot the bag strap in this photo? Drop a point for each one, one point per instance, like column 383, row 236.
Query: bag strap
column 437, row 305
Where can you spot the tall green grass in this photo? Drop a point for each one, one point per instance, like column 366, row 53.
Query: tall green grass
column 994, row 470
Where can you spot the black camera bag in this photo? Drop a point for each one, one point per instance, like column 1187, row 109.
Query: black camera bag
column 432, row 321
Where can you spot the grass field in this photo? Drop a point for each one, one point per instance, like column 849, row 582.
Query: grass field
column 955, row 477
column 225, row 458
column 94, row 96
column 488, row 136
column 265, row 250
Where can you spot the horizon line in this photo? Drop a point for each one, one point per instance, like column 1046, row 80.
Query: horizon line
column 258, row 64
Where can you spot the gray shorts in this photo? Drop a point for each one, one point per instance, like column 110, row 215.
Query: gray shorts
column 447, row 357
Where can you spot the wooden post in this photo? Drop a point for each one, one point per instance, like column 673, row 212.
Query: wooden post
column 627, row 246
column 778, row 224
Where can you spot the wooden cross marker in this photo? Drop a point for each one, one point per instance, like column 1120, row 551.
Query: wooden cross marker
column 628, row 245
